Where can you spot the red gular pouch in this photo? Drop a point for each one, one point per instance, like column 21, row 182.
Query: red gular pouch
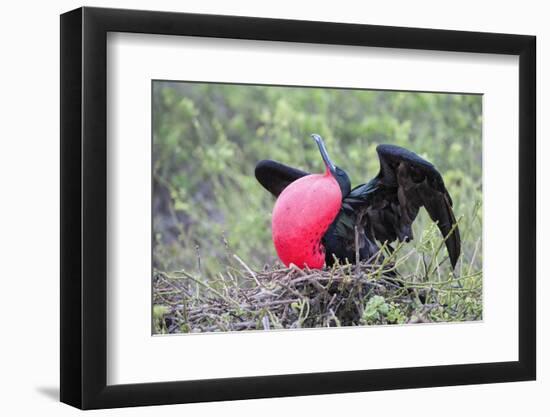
column 301, row 216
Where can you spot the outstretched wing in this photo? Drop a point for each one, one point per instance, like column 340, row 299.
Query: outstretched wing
column 275, row 177
column 391, row 201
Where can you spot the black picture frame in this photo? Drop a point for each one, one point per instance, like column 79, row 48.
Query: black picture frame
column 84, row 207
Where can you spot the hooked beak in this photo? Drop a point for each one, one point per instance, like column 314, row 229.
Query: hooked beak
column 321, row 144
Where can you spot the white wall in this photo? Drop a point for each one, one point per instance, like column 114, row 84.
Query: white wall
column 29, row 207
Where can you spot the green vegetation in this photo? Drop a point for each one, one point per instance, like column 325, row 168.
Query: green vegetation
column 207, row 205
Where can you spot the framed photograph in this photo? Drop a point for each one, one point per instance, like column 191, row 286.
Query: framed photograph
column 256, row 207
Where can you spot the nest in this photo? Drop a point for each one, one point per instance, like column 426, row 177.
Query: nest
column 279, row 297
column 275, row 298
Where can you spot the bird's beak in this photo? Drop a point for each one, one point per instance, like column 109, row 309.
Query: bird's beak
column 321, row 144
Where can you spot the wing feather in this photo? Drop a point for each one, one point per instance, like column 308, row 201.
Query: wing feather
column 393, row 198
column 275, row 177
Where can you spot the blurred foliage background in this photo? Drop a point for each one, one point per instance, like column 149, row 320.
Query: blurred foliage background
column 207, row 139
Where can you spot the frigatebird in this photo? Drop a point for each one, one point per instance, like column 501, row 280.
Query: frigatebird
column 319, row 218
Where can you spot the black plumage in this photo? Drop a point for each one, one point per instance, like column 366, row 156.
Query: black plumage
column 383, row 209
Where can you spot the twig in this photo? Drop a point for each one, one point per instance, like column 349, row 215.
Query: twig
column 248, row 270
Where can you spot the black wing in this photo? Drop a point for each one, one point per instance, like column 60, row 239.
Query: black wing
column 275, row 177
column 392, row 199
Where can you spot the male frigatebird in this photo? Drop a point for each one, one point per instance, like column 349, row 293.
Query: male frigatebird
column 318, row 218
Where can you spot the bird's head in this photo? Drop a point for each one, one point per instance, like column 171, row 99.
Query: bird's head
column 339, row 174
